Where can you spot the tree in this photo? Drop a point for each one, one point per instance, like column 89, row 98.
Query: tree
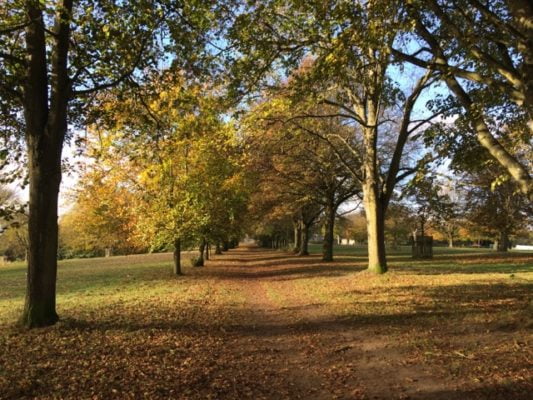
column 447, row 216
column 303, row 166
column 484, row 52
column 187, row 181
column 54, row 56
column 102, row 219
column 399, row 223
column 350, row 43
column 498, row 209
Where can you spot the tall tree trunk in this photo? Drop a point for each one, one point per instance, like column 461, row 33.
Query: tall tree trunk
column 45, row 177
column 450, row 241
column 177, row 256
column 207, row 247
column 199, row 262
column 218, row 249
column 46, row 126
column 304, row 248
column 374, row 209
column 375, row 224
column 327, row 248
column 225, row 245
column 297, row 236
column 503, row 243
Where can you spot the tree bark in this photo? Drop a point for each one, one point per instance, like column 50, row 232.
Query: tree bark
column 503, row 243
column 200, row 260
column 218, row 249
column 177, row 256
column 304, row 248
column 375, row 223
column 327, row 248
column 374, row 209
column 297, row 236
column 45, row 114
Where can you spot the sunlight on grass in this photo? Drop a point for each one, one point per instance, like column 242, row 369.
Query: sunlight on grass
column 130, row 316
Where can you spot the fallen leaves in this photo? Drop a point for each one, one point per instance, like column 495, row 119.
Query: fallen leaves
column 274, row 331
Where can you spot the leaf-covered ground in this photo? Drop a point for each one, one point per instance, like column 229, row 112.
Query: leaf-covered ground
column 261, row 324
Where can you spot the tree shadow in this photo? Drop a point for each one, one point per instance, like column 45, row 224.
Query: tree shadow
column 447, row 308
column 513, row 389
column 270, row 272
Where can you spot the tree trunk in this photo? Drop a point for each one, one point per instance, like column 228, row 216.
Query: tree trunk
column 199, row 262
column 297, row 236
column 327, row 248
column 450, row 241
column 177, row 256
column 218, row 249
column 304, row 249
column 40, row 303
column 375, row 223
column 45, row 115
column 225, row 245
column 503, row 243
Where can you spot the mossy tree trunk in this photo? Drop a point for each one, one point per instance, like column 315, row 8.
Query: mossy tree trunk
column 375, row 224
column 374, row 210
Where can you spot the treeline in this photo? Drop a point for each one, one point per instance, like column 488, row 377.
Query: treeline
column 308, row 166
column 383, row 88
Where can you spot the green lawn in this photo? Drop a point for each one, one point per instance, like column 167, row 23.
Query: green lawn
column 360, row 250
column 92, row 282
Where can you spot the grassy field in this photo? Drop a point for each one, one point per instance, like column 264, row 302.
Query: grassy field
column 361, row 250
column 265, row 324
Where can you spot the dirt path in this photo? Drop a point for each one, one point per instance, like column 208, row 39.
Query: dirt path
column 285, row 344
column 258, row 324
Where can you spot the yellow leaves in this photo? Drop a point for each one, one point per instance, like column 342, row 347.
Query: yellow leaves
column 106, row 30
column 330, row 58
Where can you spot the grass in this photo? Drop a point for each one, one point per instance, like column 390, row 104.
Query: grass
column 266, row 324
column 361, row 250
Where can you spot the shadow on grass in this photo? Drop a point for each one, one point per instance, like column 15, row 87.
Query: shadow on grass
column 301, row 272
column 442, row 307
column 512, row 389
column 442, row 269
column 470, row 263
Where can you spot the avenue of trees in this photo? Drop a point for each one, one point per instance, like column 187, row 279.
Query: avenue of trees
column 202, row 121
